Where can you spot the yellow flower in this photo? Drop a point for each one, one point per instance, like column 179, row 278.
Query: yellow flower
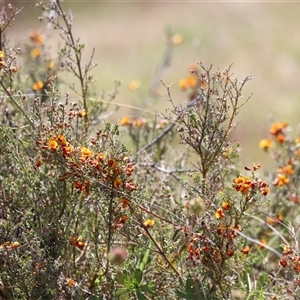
column 38, row 85
column 85, row 153
column 265, row 144
column 1, row 54
column 177, row 39
column 125, row 121
column 36, row 52
column 50, row 65
column 134, row 85
column 149, row 223
column 81, row 113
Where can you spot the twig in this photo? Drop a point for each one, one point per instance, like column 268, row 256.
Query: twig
column 167, row 129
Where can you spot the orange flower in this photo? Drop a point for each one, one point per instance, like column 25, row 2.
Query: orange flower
column 82, row 186
column 183, row 83
column 81, row 113
column 70, row 282
column 62, row 140
column 238, row 227
column 125, row 202
column 79, row 244
column 38, row 85
column 280, row 138
column 225, row 205
column 264, row 242
column 100, row 156
column 53, row 144
column 277, row 128
column 219, row 213
column 288, row 170
column 274, row 221
column 192, row 81
column 283, row 262
column 265, row 191
column 297, row 266
column 245, row 250
column 188, row 82
column 9, row 246
column 281, row 180
column 67, row 150
column 149, row 223
column 14, row 69
column 15, row 245
column 37, row 38
column 76, row 241
column 138, row 122
column 242, row 184
column 118, row 223
column 38, row 163
column 122, row 219
column 117, row 183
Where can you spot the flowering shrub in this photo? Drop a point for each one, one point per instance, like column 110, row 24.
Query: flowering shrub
column 167, row 214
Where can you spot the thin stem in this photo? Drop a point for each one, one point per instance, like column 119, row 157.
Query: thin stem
column 161, row 252
column 78, row 63
column 16, row 104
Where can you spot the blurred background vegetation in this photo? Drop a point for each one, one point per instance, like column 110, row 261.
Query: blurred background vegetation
column 259, row 38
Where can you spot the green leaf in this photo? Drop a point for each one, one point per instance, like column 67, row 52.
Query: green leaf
column 181, row 294
column 145, row 260
column 193, row 291
column 148, row 288
column 140, row 295
column 138, row 275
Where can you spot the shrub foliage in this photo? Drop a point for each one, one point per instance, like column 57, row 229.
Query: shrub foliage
column 141, row 208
